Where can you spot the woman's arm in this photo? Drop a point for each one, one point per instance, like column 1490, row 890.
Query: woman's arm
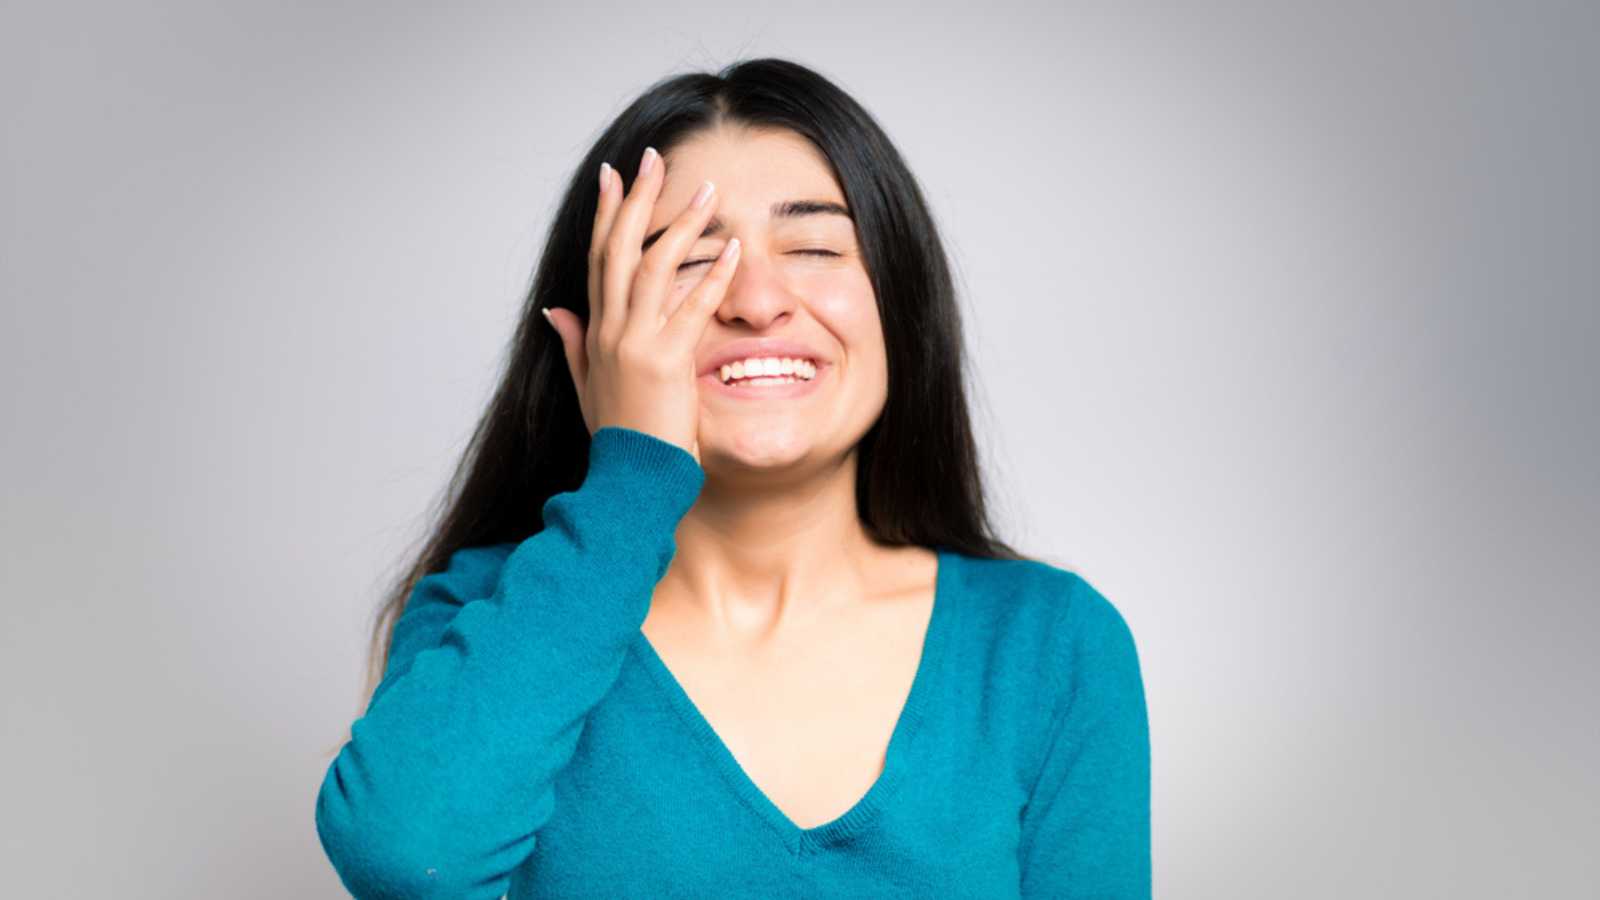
column 450, row 772
column 1086, row 826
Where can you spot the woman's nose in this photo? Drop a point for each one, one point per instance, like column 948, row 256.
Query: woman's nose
column 756, row 295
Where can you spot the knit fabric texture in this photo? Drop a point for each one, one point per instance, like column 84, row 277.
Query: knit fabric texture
column 527, row 741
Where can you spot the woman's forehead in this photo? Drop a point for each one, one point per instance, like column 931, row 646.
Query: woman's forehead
column 749, row 160
column 756, row 185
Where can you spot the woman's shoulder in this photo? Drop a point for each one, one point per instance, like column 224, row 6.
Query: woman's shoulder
column 1043, row 608
column 470, row 572
column 1049, row 634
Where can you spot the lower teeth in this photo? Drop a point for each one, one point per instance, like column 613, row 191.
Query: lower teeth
column 767, row 380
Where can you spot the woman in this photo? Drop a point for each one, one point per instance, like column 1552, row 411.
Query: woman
column 716, row 610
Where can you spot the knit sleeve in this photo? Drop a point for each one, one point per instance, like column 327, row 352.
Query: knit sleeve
column 1086, row 825
column 449, row 773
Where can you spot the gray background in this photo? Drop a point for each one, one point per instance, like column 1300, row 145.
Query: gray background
column 1284, row 324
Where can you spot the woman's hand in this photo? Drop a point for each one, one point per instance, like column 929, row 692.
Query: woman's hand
column 633, row 364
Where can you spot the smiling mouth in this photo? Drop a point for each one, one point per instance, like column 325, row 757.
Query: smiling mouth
column 771, row 370
column 794, row 384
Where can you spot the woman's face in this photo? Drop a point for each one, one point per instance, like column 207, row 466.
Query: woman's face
column 800, row 279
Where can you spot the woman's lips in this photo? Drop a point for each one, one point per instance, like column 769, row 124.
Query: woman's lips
column 765, row 391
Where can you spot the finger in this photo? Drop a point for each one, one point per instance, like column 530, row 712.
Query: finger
column 623, row 244
column 652, row 280
column 570, row 329
column 688, row 322
column 605, row 214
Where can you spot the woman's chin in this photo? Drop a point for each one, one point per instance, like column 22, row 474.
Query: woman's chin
column 756, row 448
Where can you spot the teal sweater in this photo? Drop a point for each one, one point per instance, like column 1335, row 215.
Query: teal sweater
column 526, row 740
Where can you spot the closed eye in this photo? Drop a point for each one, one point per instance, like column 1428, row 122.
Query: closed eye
column 812, row 252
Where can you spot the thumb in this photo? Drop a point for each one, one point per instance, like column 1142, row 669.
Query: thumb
column 570, row 329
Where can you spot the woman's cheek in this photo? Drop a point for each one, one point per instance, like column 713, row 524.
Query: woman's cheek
column 846, row 298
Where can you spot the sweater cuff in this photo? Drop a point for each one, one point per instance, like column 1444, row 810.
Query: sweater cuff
column 659, row 479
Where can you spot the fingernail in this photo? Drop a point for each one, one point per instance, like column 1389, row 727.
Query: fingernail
column 546, row 311
column 649, row 161
column 604, row 168
column 703, row 194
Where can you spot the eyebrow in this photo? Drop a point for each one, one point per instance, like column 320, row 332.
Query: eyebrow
column 786, row 209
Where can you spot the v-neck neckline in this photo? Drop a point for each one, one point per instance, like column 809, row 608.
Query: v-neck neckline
column 897, row 758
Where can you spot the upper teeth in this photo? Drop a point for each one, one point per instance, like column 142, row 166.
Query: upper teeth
column 757, row 366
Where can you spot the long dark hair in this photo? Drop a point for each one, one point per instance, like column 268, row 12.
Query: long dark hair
column 918, row 479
